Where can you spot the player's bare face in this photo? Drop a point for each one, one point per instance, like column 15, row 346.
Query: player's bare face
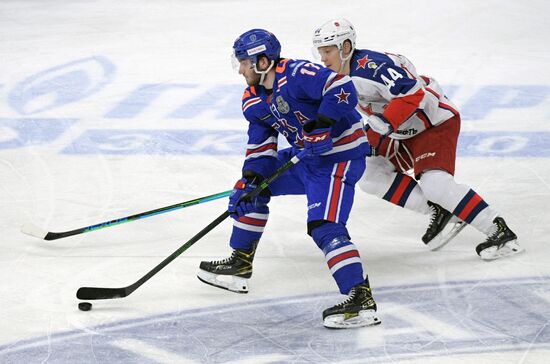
column 330, row 56
column 246, row 68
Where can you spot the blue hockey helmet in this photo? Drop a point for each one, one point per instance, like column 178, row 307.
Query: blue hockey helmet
column 256, row 42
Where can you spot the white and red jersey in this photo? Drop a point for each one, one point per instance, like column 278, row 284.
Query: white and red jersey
column 389, row 87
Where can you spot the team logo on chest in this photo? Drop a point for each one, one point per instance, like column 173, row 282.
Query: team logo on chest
column 362, row 63
column 282, row 105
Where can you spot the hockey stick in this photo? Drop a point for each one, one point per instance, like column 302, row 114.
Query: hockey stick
column 97, row 293
column 33, row 230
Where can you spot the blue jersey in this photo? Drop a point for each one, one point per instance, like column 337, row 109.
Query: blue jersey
column 301, row 91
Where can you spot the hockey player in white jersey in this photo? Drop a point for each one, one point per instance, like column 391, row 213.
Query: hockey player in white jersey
column 412, row 126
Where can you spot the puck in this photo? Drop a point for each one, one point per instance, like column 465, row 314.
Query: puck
column 84, row 306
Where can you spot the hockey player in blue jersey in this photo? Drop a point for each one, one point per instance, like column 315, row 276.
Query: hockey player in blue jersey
column 314, row 109
column 413, row 126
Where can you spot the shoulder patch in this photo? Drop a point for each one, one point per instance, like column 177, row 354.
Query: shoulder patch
column 249, row 92
column 281, row 66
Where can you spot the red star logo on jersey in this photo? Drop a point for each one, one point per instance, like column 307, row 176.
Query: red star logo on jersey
column 343, row 96
column 362, row 63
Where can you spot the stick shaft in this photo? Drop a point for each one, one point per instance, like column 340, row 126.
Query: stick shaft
column 102, row 225
column 95, row 293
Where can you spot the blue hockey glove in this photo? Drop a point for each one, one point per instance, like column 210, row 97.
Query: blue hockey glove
column 240, row 205
column 317, row 141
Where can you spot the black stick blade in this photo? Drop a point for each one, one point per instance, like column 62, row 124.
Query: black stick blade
column 96, row 293
column 54, row 236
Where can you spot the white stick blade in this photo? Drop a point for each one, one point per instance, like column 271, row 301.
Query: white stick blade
column 33, row 230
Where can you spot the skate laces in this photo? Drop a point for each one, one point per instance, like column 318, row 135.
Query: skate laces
column 226, row 260
column 433, row 216
column 353, row 293
column 235, row 255
column 496, row 230
column 349, row 299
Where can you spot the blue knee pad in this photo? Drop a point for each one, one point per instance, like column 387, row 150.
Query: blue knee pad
column 330, row 236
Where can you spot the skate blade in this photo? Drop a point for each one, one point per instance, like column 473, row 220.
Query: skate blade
column 365, row 318
column 446, row 236
column 509, row 248
column 230, row 283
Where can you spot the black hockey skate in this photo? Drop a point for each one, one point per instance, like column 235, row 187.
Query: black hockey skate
column 501, row 243
column 358, row 310
column 442, row 229
column 230, row 273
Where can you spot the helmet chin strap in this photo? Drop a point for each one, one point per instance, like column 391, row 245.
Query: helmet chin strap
column 343, row 59
column 263, row 73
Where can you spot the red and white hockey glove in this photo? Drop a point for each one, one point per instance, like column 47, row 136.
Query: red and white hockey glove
column 380, row 124
column 375, row 140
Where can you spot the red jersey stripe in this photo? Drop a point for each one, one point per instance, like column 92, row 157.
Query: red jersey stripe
column 336, row 189
column 448, row 107
column 261, row 149
column 350, row 138
column 433, row 92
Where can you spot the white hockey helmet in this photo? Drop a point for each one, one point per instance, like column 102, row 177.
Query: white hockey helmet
column 334, row 32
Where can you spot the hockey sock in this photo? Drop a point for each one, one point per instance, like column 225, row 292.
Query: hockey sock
column 440, row 187
column 381, row 180
column 249, row 229
column 341, row 255
column 405, row 192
